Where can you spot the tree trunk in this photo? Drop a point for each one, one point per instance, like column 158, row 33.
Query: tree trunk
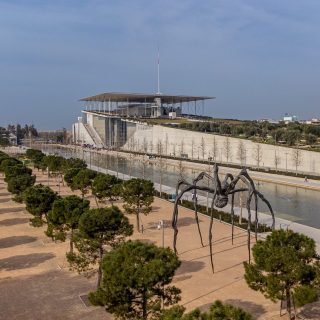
column 144, row 306
column 71, row 241
column 138, row 221
column 100, row 268
column 95, row 198
column 288, row 300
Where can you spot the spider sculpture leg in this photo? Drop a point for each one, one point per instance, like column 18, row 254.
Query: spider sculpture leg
column 270, row 208
column 232, row 217
column 251, row 191
column 174, row 221
column 210, row 232
column 195, row 200
column 256, row 215
column 195, row 186
column 187, row 188
column 176, row 212
column 196, row 215
column 249, row 224
column 246, row 175
column 233, row 192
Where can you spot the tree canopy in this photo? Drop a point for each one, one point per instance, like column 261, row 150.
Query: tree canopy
column 289, row 134
column 34, row 153
column 8, row 162
column 16, row 170
column 217, row 311
column 105, row 186
column 53, row 163
column 140, row 283
column 64, row 217
column 73, row 163
column 37, row 157
column 97, row 228
column 39, row 200
column 18, row 184
column 285, row 267
column 4, row 141
column 3, row 156
column 83, row 180
column 69, row 175
column 138, row 197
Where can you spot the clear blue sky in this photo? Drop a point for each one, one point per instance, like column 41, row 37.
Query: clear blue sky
column 259, row 58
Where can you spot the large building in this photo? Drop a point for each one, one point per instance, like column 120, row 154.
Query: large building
column 110, row 119
column 117, row 120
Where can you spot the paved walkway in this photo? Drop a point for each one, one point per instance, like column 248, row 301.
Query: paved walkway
column 264, row 218
column 35, row 282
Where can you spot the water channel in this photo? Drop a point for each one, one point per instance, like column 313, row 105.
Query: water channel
column 291, row 203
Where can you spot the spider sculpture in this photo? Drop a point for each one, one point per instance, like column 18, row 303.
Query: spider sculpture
column 220, row 191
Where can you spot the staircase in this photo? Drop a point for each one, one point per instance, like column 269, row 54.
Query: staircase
column 94, row 136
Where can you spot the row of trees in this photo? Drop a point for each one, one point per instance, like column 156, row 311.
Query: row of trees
column 134, row 277
column 97, row 238
column 22, row 131
column 137, row 194
column 224, row 152
column 141, row 285
column 17, row 176
column 4, row 137
column 290, row 134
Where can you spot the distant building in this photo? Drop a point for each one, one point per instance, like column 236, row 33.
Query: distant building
column 110, row 119
column 12, row 139
column 289, row 118
column 268, row 120
column 313, row 121
column 61, row 135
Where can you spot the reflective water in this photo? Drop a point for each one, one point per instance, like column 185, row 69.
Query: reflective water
column 291, row 203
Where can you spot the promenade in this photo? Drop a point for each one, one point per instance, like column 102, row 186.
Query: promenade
column 35, row 281
column 257, row 176
column 264, row 218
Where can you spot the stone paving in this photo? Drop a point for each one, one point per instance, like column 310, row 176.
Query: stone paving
column 35, row 282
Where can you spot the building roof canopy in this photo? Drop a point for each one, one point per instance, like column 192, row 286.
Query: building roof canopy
column 143, row 98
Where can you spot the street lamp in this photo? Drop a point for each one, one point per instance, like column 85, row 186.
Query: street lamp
column 159, row 227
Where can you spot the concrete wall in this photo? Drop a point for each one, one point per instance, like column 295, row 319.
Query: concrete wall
column 99, row 124
column 223, row 149
column 80, row 134
column 197, row 145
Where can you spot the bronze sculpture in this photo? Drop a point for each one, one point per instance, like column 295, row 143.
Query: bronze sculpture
column 220, row 192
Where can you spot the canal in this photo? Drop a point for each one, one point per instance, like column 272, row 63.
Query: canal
column 291, row 203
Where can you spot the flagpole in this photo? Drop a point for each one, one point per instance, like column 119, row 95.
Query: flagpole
column 158, row 72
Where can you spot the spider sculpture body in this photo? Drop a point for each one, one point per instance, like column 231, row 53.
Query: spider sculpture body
column 220, row 192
